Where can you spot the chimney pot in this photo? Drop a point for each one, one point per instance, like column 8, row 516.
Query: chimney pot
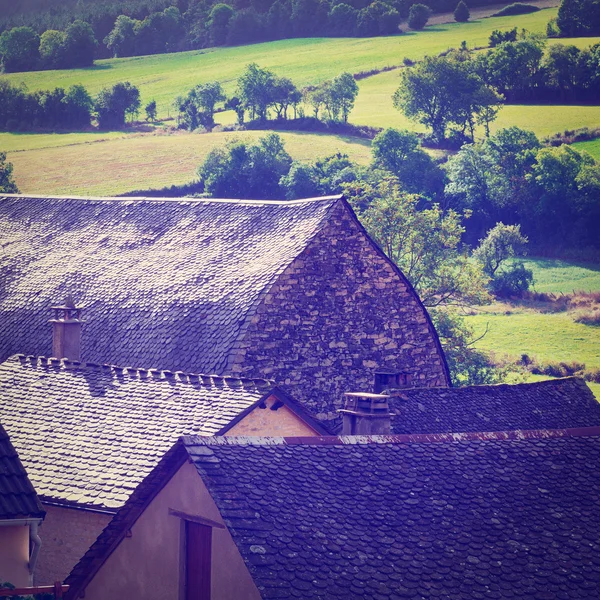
column 66, row 331
column 366, row 414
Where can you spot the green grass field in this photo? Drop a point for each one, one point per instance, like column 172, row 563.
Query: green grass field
column 562, row 277
column 551, row 337
column 82, row 166
column 591, row 146
column 305, row 61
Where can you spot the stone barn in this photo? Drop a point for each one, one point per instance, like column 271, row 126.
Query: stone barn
column 293, row 291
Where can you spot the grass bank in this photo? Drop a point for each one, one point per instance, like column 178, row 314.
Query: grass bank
column 88, row 166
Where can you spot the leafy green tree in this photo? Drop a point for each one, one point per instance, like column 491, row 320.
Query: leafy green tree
column 468, row 366
column 462, row 13
column 79, row 106
column 114, row 104
column 418, row 15
column 207, row 95
column 400, row 153
column 514, row 68
column 279, row 23
column 242, row 170
column 52, row 48
column 285, row 94
column 497, row 37
column 7, row 183
column 490, row 179
column 309, row 17
column 342, row 94
column 425, row 244
column 562, row 69
column 256, row 90
column 342, row 20
column 245, row 27
column 218, row 23
column 121, row 40
column 79, row 45
column 150, row 110
column 19, row 49
column 325, row 176
column 501, row 243
column 444, row 90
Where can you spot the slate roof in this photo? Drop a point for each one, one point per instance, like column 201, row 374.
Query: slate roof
column 453, row 516
column 18, row 499
column 164, row 283
column 552, row 404
column 88, row 434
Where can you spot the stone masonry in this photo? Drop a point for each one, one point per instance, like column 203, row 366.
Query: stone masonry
column 338, row 313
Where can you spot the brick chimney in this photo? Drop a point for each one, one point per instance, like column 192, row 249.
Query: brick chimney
column 366, row 414
column 66, row 331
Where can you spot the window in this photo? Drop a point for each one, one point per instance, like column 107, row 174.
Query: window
column 390, row 380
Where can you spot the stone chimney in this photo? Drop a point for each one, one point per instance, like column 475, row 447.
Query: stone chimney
column 66, row 331
column 366, row 414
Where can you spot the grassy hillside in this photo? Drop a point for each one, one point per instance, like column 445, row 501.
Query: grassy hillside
column 591, row 146
column 305, row 61
column 547, row 337
column 117, row 165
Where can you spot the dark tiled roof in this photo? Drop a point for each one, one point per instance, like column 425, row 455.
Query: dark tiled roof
column 88, row 434
column 167, row 283
column 18, row 499
column 552, row 404
column 464, row 518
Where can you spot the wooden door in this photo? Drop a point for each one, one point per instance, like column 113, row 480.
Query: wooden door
column 198, row 561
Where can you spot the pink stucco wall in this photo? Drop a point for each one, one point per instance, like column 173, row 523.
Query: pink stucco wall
column 66, row 535
column 265, row 421
column 14, row 555
column 147, row 564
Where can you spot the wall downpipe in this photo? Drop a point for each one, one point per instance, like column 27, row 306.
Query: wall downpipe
column 36, row 544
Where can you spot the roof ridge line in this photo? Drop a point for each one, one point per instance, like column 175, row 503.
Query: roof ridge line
column 437, row 388
column 350, row 440
column 155, row 374
column 179, row 199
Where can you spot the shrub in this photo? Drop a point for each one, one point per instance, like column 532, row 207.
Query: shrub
column 497, row 36
column 517, row 8
column 418, row 16
column 461, row 12
column 512, row 282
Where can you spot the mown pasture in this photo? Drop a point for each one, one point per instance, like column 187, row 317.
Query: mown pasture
column 113, row 166
column 547, row 337
column 304, row 61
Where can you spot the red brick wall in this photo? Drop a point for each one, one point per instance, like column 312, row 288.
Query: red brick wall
column 337, row 313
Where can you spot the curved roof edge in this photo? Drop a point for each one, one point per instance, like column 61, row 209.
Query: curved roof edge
column 409, row 285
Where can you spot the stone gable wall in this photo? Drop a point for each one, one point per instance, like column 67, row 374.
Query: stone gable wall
column 339, row 312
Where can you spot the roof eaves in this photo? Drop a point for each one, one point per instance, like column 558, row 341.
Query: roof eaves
column 538, row 434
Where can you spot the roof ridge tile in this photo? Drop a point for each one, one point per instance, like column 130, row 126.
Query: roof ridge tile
column 181, row 377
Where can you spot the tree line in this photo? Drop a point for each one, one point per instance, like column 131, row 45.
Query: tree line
column 22, row 49
column 140, row 27
column 260, row 94
column 453, row 93
column 71, row 109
